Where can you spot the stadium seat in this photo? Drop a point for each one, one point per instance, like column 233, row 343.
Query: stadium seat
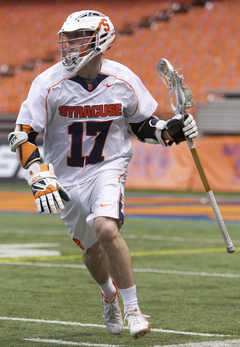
column 203, row 42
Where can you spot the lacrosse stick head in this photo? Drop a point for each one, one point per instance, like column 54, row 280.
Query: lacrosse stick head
column 181, row 97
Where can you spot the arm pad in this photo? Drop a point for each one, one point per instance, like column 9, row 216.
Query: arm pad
column 16, row 138
column 176, row 129
column 150, row 130
column 22, row 141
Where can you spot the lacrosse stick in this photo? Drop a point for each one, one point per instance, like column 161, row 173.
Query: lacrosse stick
column 181, row 98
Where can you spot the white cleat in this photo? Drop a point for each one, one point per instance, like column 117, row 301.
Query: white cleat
column 137, row 322
column 112, row 315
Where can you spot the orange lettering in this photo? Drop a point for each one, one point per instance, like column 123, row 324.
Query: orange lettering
column 118, row 109
column 36, row 178
column 70, row 111
column 105, row 24
column 78, row 243
column 111, row 110
column 91, row 111
column 78, row 112
column 63, row 111
column 95, row 111
column 87, row 112
column 105, row 112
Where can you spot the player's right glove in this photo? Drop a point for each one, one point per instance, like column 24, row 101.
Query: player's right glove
column 47, row 191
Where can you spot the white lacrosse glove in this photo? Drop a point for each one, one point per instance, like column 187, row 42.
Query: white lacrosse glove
column 178, row 128
column 189, row 129
column 48, row 193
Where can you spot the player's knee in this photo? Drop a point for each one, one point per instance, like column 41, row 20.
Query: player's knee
column 106, row 229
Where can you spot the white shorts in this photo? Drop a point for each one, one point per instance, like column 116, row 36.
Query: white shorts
column 102, row 196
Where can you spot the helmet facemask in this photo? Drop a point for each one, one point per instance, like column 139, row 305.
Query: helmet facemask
column 76, row 47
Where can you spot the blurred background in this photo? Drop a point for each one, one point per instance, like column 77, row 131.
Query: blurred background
column 200, row 37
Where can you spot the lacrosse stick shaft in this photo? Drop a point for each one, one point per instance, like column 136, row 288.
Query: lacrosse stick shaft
column 228, row 242
column 178, row 90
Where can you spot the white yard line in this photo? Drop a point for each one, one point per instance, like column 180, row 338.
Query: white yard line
column 186, row 333
column 188, row 273
column 103, row 326
column 70, row 343
column 52, row 322
column 156, row 271
column 29, row 263
column 226, row 343
column 15, row 246
column 125, row 235
column 23, row 250
column 174, row 239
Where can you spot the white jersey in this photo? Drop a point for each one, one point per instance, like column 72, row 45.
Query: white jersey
column 84, row 123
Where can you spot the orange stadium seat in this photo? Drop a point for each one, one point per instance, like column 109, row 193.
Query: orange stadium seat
column 202, row 42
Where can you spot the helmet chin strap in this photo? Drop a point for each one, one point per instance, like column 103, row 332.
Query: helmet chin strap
column 91, row 71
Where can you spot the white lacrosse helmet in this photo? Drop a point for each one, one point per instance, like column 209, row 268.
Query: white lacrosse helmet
column 84, row 35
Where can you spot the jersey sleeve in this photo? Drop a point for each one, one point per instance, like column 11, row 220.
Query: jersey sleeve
column 34, row 110
column 141, row 105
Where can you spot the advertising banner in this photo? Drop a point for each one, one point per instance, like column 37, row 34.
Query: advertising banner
column 173, row 168
column 158, row 168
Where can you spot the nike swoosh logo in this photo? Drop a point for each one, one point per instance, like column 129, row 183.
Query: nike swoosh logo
column 102, row 205
column 110, row 85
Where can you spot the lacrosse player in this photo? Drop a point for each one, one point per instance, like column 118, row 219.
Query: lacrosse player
column 86, row 106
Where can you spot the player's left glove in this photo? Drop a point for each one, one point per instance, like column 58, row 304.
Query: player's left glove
column 178, row 129
column 47, row 191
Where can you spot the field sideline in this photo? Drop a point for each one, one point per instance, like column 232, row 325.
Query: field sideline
column 195, row 207
column 186, row 280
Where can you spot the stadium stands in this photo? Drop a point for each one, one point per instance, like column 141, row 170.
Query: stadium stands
column 201, row 40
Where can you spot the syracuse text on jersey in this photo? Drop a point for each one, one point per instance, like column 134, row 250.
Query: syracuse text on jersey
column 91, row 111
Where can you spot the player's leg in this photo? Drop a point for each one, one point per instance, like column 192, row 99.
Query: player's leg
column 95, row 261
column 120, row 267
column 107, row 217
column 116, row 250
column 74, row 215
column 96, row 264
column 107, row 213
column 111, row 255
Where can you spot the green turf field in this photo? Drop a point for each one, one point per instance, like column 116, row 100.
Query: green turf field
column 186, row 282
